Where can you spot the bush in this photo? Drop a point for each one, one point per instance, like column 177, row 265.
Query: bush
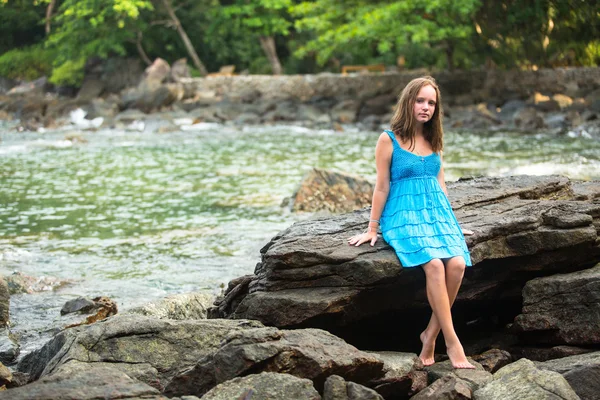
column 27, row 64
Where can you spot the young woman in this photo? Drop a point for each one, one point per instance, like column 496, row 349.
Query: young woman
column 410, row 205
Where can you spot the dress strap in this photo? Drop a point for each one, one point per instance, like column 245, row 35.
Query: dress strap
column 393, row 137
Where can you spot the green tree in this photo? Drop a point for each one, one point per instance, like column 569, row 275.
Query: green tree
column 373, row 28
column 264, row 19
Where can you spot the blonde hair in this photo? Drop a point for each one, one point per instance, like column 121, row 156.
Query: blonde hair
column 403, row 123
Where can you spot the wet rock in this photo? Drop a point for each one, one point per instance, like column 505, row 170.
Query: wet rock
column 345, row 112
column 178, row 307
column 336, row 388
column 103, row 308
column 581, row 371
column 494, row 359
column 403, row 376
column 156, row 74
column 21, row 283
column 9, row 348
column 82, row 381
column 522, row 380
column 148, row 349
column 80, row 304
column 334, row 192
column 306, row 353
column 446, row 388
column 264, row 386
column 562, row 309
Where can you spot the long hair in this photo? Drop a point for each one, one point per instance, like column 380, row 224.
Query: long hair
column 403, row 122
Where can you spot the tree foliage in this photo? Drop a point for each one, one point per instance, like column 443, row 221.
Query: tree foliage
column 307, row 35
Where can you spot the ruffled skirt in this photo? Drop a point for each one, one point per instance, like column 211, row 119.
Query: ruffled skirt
column 419, row 224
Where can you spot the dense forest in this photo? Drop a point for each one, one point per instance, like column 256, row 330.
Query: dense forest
column 54, row 38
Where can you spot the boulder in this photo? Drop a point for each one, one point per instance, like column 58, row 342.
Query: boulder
column 333, row 192
column 306, row 353
column 581, row 371
column 4, row 303
column 155, row 74
column 336, row 388
column 178, row 307
column 79, row 304
column 522, row 380
column 524, row 227
column 179, row 70
column 492, row 360
column 403, row 376
column 529, row 119
column 264, row 386
column 20, row 283
column 563, row 308
column 475, row 378
column 446, row 388
column 83, row 381
column 9, row 348
column 148, row 349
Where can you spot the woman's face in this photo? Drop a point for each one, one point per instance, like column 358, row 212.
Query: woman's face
column 425, row 104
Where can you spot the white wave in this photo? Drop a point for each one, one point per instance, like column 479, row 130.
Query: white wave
column 78, row 119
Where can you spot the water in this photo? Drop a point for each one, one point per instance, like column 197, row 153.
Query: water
column 137, row 216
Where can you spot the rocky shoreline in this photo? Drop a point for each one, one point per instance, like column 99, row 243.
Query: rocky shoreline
column 122, row 96
column 323, row 320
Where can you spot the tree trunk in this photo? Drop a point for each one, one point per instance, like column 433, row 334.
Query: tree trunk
column 186, row 40
column 49, row 10
column 268, row 45
column 140, row 49
column 450, row 55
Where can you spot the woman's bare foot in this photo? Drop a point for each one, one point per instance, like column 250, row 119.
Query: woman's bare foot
column 458, row 358
column 428, row 350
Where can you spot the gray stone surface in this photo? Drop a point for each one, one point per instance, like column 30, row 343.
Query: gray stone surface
column 581, row 371
column 336, row 388
column 475, row 378
column 264, row 386
column 521, row 380
column 524, row 226
column 403, row 376
column 446, row 388
column 306, row 353
column 82, row 381
column 178, row 307
column 562, row 309
column 4, row 303
column 145, row 348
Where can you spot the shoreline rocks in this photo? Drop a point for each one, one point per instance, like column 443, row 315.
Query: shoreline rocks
column 560, row 100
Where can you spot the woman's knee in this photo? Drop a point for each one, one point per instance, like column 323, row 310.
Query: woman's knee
column 434, row 268
column 456, row 266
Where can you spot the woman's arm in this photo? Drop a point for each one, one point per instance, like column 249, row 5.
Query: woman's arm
column 383, row 158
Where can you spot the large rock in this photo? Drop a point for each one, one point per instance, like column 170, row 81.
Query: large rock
column 447, row 388
column 264, row 386
column 334, row 192
column 4, row 303
column 336, row 388
column 306, row 353
column 562, row 309
column 148, row 349
column 521, row 380
column 82, row 381
column 179, row 307
column 403, row 376
column 525, row 227
column 475, row 378
column 581, row 371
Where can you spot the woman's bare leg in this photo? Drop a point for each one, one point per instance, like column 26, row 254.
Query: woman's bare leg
column 454, row 271
column 439, row 300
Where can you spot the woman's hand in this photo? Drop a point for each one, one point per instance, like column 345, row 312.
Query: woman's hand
column 369, row 236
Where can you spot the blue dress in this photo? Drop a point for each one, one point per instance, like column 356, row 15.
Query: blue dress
column 417, row 220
